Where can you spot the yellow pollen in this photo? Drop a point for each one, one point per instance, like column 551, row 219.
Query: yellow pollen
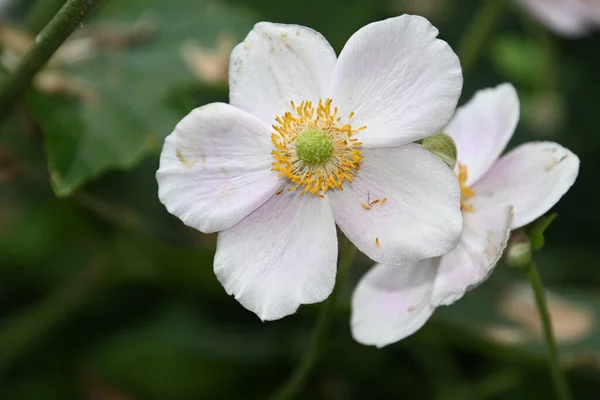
column 466, row 192
column 377, row 242
column 325, row 173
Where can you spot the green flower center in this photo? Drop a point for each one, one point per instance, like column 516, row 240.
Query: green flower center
column 314, row 147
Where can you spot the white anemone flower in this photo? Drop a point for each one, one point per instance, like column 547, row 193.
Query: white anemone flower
column 392, row 302
column 571, row 18
column 309, row 141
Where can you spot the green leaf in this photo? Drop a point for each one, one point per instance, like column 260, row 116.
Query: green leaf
column 180, row 353
column 536, row 230
column 520, row 59
column 129, row 108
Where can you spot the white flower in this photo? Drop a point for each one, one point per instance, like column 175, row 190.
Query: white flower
column 310, row 141
column 392, row 302
column 571, row 18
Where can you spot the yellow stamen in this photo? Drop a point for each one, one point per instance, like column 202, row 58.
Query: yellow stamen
column 322, row 174
column 383, row 201
column 377, row 242
column 466, row 192
column 366, row 206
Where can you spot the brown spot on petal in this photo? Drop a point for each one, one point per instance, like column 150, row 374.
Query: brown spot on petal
column 555, row 162
column 183, row 160
column 412, row 308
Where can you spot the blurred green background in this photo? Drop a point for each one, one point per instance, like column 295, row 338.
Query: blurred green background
column 105, row 296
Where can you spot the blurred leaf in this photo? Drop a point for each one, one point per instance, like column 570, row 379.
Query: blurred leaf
column 24, row 330
column 520, row 59
column 535, row 230
column 124, row 110
column 181, row 354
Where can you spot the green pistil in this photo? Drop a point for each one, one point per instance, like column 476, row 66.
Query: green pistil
column 314, row 147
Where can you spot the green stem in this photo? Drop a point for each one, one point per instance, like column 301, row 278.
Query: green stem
column 558, row 379
column 41, row 13
column 68, row 18
column 296, row 381
column 476, row 36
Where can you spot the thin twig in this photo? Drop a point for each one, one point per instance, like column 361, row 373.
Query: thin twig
column 68, row 18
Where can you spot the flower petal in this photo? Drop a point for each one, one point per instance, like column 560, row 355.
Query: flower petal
column 392, row 302
column 569, row 18
column 482, row 128
column 215, row 168
column 421, row 216
column 277, row 64
column 532, row 178
column 401, row 82
column 280, row 256
column 486, row 231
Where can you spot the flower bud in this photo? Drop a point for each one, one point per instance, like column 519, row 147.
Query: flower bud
column 442, row 145
column 518, row 252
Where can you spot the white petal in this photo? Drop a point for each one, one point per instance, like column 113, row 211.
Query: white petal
column 486, row 231
column 280, row 256
column 277, row 64
column 566, row 17
column 215, row 168
column 421, row 217
column 392, row 302
column 532, row 178
column 482, row 128
column 401, row 82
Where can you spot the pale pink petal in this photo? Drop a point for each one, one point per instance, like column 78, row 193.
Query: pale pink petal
column 215, row 168
column 532, row 178
column 277, row 64
column 570, row 18
column 421, row 217
column 482, row 128
column 400, row 80
column 280, row 256
column 485, row 233
column 392, row 302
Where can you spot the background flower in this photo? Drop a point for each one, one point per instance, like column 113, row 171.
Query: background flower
column 392, row 302
column 572, row 18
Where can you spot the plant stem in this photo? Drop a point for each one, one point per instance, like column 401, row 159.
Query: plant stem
column 68, row 18
column 296, row 381
column 41, row 13
column 477, row 34
column 558, row 378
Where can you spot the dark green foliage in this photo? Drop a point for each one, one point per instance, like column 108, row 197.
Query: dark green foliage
column 104, row 295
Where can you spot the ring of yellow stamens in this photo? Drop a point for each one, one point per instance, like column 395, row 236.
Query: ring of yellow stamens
column 466, row 192
column 314, row 149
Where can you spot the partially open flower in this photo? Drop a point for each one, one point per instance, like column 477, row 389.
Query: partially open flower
column 310, row 140
column 394, row 301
